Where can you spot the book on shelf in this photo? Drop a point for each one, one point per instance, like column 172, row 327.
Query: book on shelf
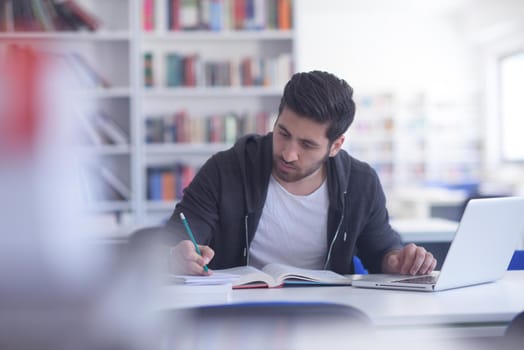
column 216, row 128
column 47, row 15
column 174, row 15
column 231, row 127
column 174, row 70
column 238, row 14
column 148, row 15
column 24, row 18
column 7, row 23
column 154, row 184
column 187, row 175
column 182, row 125
column 284, row 14
column 270, row 276
column 191, row 70
column 216, row 15
column 216, row 19
column 197, row 130
column 149, row 78
column 41, row 16
column 65, row 19
column 155, row 129
column 168, row 183
column 189, row 14
column 79, row 14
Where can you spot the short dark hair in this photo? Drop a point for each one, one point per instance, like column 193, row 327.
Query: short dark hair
column 322, row 97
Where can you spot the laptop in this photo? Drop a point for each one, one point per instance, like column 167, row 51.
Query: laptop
column 480, row 252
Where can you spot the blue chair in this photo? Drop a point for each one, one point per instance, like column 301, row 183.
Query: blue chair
column 517, row 261
column 359, row 267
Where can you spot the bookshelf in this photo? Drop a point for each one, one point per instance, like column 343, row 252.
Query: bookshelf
column 418, row 141
column 257, row 50
column 224, row 76
column 371, row 137
column 93, row 40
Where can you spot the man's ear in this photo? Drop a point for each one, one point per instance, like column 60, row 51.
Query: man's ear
column 336, row 146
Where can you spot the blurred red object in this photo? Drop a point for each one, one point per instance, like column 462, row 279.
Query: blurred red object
column 21, row 71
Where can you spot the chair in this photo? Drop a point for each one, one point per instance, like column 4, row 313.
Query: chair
column 267, row 325
column 359, row 267
column 514, row 335
column 517, row 261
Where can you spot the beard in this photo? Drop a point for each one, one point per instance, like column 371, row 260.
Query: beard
column 292, row 173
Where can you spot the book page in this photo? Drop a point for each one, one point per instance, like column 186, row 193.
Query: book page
column 250, row 276
column 214, row 278
column 281, row 273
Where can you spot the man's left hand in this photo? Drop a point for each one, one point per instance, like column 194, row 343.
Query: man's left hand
column 410, row 260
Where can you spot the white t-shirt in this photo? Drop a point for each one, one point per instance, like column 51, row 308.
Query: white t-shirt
column 292, row 229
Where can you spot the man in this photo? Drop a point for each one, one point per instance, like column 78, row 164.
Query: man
column 293, row 196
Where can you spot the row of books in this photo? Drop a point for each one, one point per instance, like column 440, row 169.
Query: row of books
column 98, row 128
column 192, row 70
column 168, row 183
column 219, row 128
column 45, row 15
column 216, row 15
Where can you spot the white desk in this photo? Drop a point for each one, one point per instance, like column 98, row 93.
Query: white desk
column 432, row 230
column 419, row 201
column 483, row 310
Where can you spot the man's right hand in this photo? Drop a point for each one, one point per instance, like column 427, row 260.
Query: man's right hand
column 183, row 259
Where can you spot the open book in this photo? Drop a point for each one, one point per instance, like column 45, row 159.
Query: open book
column 275, row 275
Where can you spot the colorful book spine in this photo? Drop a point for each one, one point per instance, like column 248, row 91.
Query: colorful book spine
column 85, row 17
column 284, row 14
column 148, row 70
column 154, row 182
column 180, row 127
column 148, row 15
column 168, row 183
column 217, row 15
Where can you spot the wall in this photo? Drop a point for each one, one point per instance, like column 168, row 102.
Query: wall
column 442, row 49
column 405, row 49
column 497, row 28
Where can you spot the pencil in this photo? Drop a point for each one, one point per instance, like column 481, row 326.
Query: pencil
column 190, row 234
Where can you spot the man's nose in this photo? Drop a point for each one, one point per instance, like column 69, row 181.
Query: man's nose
column 290, row 154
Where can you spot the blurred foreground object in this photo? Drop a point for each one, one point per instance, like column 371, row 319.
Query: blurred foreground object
column 59, row 289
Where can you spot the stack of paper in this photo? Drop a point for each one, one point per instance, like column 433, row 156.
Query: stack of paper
column 215, row 278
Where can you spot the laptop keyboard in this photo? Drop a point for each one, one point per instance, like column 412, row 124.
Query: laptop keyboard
column 418, row 280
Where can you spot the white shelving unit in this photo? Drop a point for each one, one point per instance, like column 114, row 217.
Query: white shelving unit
column 371, row 137
column 418, row 142
column 200, row 100
column 109, row 52
column 116, row 52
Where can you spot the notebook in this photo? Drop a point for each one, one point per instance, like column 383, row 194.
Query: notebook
column 480, row 252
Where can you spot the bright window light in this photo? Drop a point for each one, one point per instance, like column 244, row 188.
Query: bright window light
column 512, row 107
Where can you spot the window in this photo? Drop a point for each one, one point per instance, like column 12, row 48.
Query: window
column 512, row 107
